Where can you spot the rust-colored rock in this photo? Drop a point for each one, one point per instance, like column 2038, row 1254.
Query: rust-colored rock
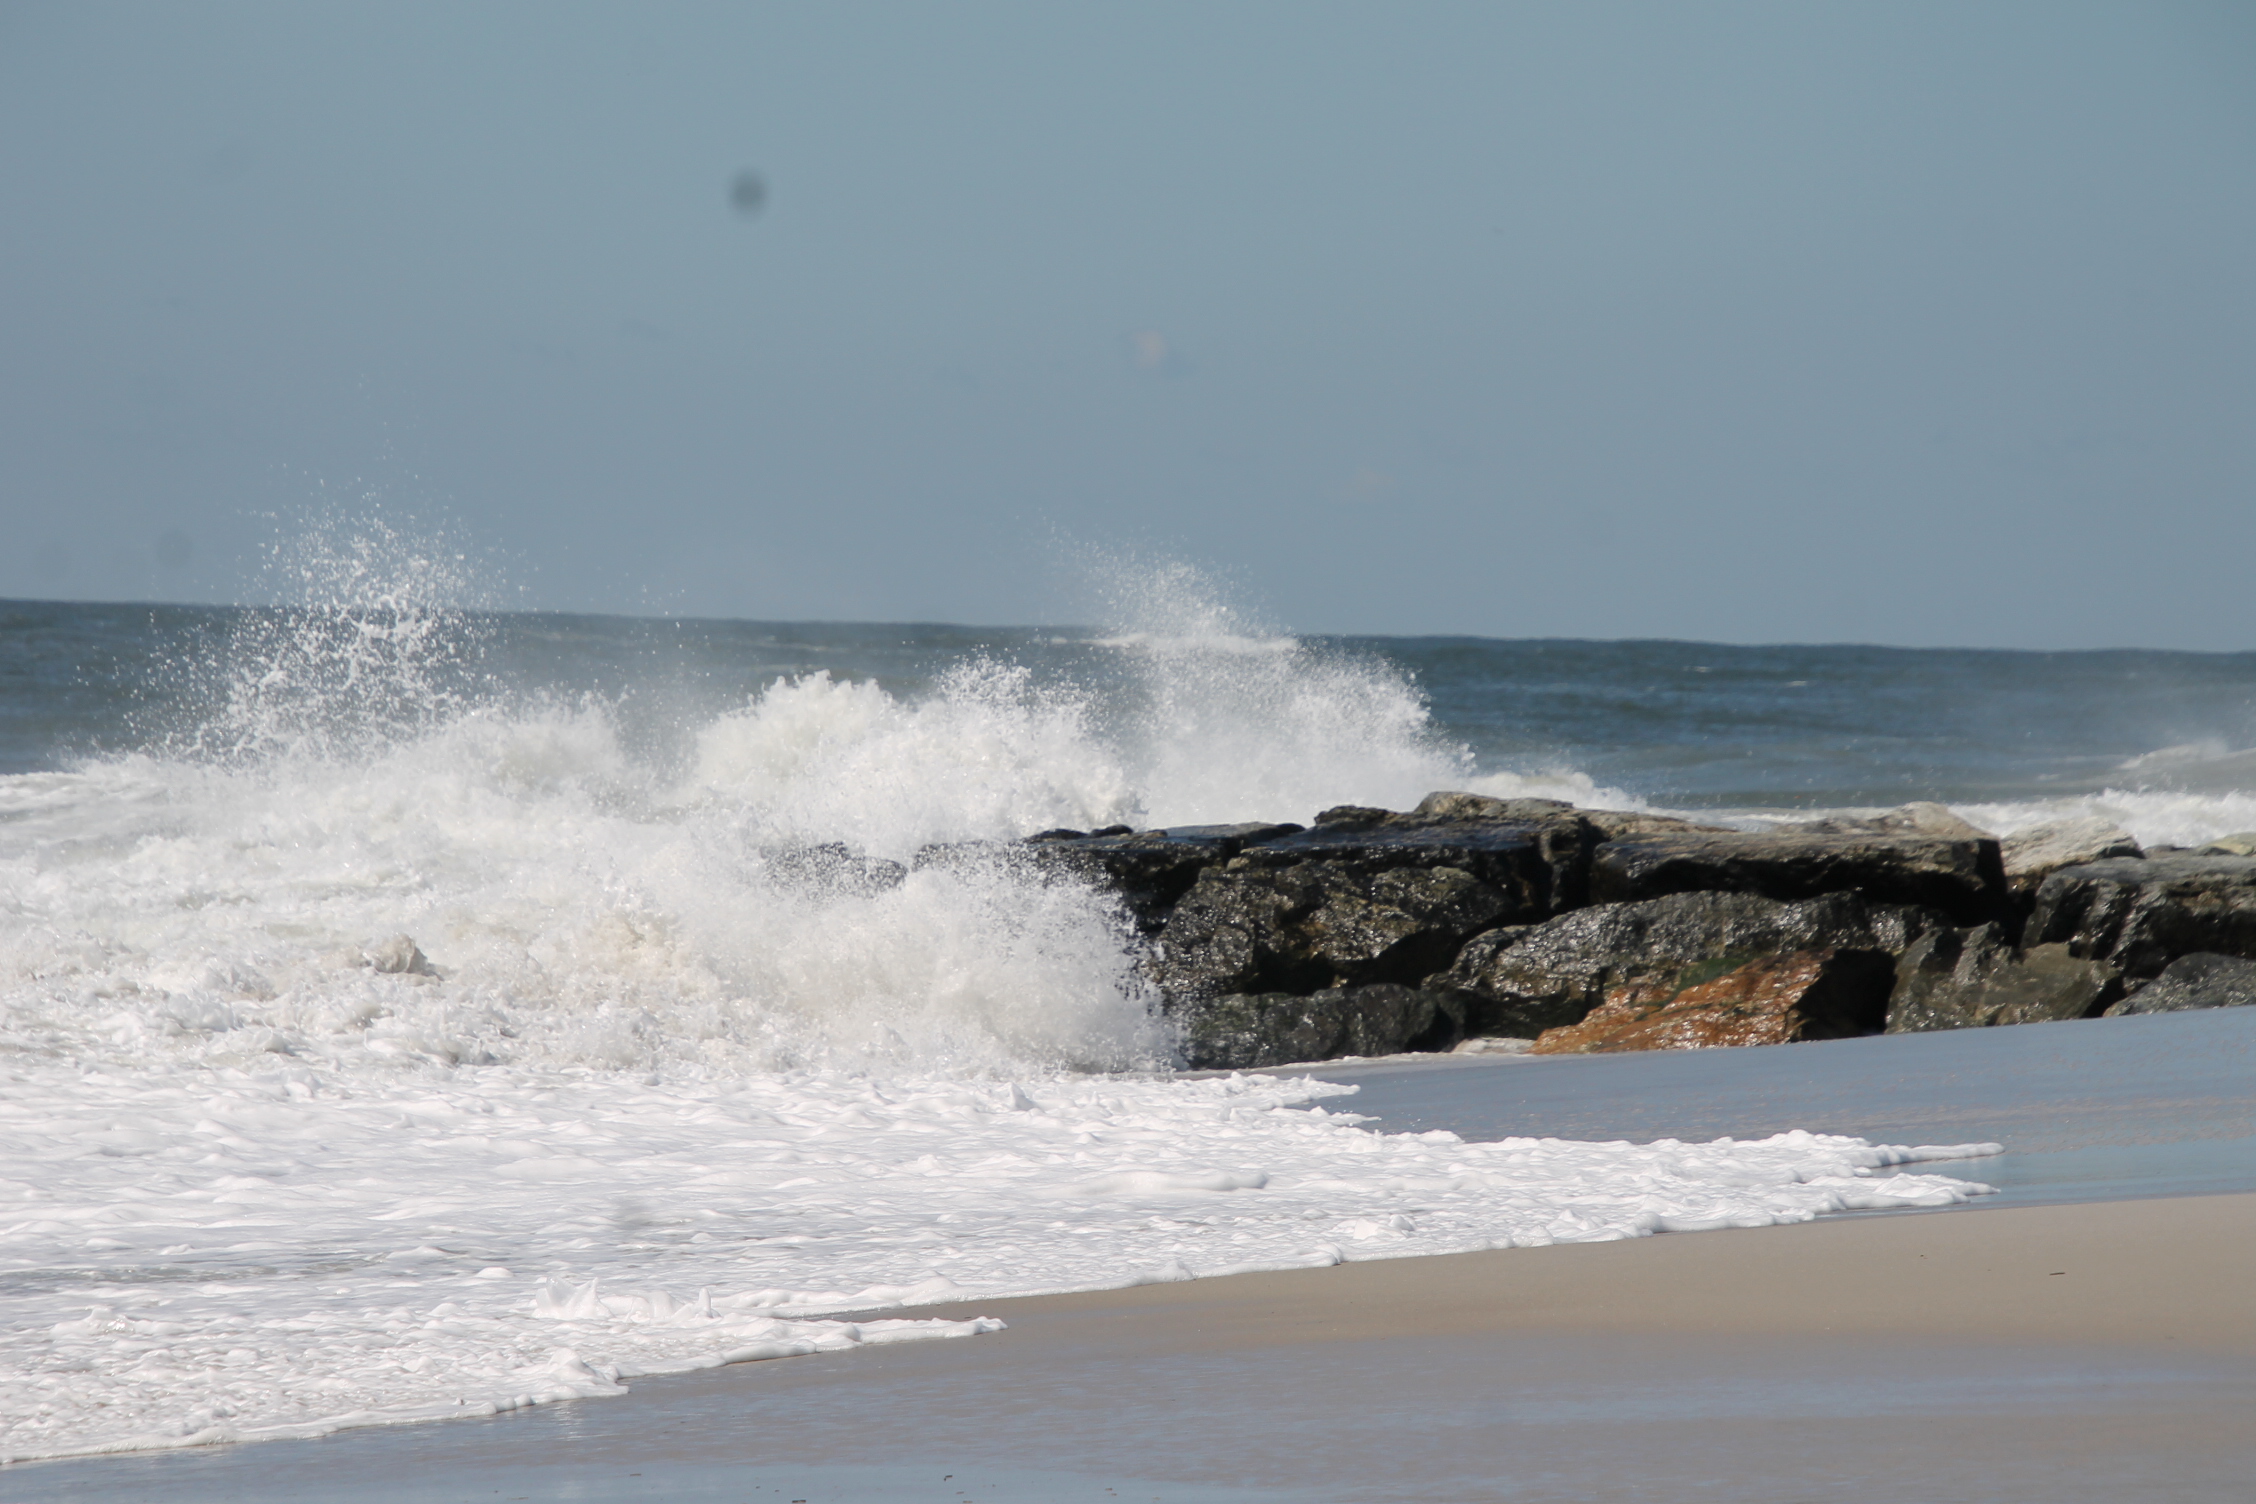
column 1807, row 994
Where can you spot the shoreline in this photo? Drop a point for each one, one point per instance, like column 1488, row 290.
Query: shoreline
column 2088, row 1351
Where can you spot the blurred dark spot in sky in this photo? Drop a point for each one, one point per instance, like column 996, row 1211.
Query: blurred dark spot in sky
column 747, row 192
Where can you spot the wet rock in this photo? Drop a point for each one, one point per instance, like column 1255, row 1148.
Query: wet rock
column 2201, row 980
column 1964, row 879
column 2141, row 915
column 1776, row 999
column 1522, row 980
column 1972, row 978
column 1239, row 1031
column 2036, row 853
column 2241, row 844
column 1316, row 925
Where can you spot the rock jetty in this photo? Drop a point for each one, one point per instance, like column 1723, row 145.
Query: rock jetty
column 1531, row 924
column 1526, row 923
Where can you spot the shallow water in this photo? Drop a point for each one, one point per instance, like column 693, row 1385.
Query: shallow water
column 1539, row 1419
column 2089, row 1110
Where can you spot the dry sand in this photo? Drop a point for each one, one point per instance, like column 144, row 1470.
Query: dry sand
column 2092, row 1352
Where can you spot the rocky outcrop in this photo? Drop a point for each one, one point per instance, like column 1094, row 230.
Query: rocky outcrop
column 2034, row 854
column 2201, row 980
column 1964, row 879
column 2241, row 843
column 1522, row 980
column 1372, row 931
column 1972, row 978
column 1774, row 999
column 2141, row 915
column 1240, row 1031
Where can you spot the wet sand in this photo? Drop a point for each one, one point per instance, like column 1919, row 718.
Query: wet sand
column 2098, row 1351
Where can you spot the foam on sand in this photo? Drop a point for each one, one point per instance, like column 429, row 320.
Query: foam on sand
column 212, row 1254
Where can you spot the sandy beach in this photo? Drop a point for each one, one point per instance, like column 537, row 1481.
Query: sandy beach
column 2083, row 1335
column 2094, row 1351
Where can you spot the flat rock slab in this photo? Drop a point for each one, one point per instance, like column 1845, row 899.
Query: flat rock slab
column 1964, row 879
column 2141, row 915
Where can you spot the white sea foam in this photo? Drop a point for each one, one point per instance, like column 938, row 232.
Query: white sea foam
column 205, row 1253
column 2158, row 817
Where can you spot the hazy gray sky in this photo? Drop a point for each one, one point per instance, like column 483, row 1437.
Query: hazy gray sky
column 1912, row 323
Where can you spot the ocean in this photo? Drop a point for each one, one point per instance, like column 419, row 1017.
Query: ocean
column 410, row 1010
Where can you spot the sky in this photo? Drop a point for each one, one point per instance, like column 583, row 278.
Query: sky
column 1913, row 323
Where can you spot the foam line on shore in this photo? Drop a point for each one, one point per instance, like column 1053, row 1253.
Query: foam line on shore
column 221, row 1254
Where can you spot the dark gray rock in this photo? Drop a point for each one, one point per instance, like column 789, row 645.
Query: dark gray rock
column 2201, row 980
column 1238, row 1031
column 1525, row 979
column 2141, row 915
column 1964, row 879
column 1972, row 978
column 1314, row 925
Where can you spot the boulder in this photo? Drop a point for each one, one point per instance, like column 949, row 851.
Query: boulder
column 1524, row 979
column 1964, row 879
column 1315, row 925
column 2143, row 914
column 1776, row 999
column 1240, row 1031
column 1922, row 818
column 2036, row 853
column 2241, row 844
column 1972, row 978
column 2201, row 980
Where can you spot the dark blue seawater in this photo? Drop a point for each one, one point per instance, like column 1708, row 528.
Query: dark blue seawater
column 1677, row 724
